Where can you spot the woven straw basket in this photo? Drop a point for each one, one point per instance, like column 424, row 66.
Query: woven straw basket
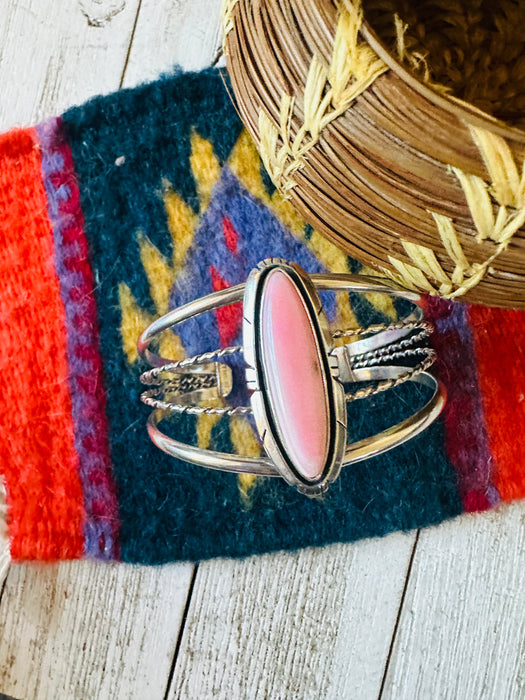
column 424, row 186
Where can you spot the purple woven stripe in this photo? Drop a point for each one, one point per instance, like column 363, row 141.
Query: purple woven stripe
column 467, row 440
column 85, row 381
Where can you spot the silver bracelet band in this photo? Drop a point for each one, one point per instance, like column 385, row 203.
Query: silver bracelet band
column 299, row 377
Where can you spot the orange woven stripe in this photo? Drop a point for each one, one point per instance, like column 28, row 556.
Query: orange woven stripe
column 37, row 457
column 499, row 337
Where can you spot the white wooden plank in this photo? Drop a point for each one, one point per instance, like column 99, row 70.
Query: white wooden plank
column 78, row 630
column 313, row 624
column 361, row 604
column 84, row 631
column 168, row 33
column 462, row 628
column 5, row 555
column 53, row 54
column 337, row 642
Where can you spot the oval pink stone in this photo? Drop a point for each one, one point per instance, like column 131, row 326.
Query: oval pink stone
column 294, row 375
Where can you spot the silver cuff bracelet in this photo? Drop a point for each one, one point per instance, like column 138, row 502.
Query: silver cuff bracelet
column 298, row 374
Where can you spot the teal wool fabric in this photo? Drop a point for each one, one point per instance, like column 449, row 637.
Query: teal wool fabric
column 135, row 153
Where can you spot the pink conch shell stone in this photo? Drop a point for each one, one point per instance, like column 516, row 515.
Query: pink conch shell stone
column 294, row 375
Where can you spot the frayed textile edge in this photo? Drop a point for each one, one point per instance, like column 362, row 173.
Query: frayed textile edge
column 5, row 552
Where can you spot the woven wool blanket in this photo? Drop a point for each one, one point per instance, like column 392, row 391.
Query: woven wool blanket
column 137, row 202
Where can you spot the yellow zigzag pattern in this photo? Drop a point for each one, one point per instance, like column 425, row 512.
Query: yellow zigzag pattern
column 244, row 162
column 162, row 272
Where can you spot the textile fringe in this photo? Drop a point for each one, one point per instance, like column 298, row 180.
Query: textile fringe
column 5, row 554
column 328, row 92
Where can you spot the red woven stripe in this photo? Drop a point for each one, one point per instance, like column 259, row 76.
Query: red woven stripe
column 37, row 457
column 499, row 338
column 229, row 318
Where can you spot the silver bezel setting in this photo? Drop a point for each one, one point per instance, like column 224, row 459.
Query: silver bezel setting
column 261, row 401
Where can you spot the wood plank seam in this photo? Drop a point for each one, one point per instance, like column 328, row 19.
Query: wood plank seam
column 181, row 631
column 398, row 617
column 130, row 45
column 2, row 589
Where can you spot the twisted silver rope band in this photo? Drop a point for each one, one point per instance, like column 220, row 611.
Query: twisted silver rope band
column 385, row 384
column 376, row 328
column 395, row 351
column 150, row 400
column 391, row 356
column 151, row 376
column 394, row 347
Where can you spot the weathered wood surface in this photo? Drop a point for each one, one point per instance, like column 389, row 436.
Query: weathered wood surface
column 173, row 33
column 439, row 616
column 315, row 624
column 461, row 632
column 55, row 54
column 81, row 630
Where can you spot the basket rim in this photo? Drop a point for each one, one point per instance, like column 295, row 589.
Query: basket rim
column 454, row 105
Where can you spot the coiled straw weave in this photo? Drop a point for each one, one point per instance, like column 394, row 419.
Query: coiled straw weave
column 377, row 150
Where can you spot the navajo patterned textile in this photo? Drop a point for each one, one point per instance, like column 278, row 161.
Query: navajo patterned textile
column 143, row 200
